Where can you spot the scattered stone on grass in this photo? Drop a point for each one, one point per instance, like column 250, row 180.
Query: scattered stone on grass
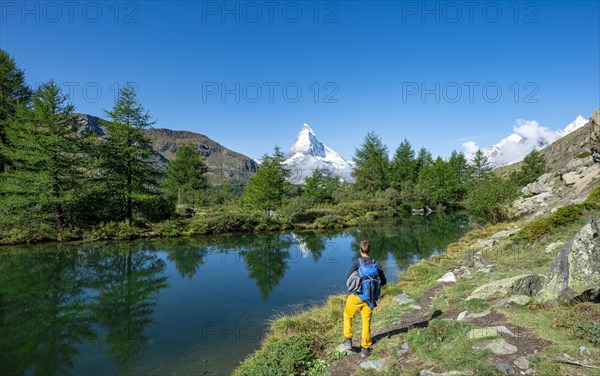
column 448, row 277
column 465, row 316
column 344, row 349
column 521, row 300
column 403, row 299
column 373, row 364
column 521, row 362
column 498, row 346
column 505, row 369
column 450, row 373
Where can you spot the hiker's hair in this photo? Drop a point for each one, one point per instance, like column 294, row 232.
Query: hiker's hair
column 365, row 247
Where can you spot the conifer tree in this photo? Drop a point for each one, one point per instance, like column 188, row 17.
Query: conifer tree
column 372, row 165
column 424, row 158
column 320, row 188
column 480, row 165
column 14, row 93
column 403, row 167
column 268, row 187
column 186, row 175
column 127, row 163
column 533, row 165
column 47, row 157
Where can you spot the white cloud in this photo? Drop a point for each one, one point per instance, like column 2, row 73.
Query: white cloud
column 470, row 147
column 528, row 135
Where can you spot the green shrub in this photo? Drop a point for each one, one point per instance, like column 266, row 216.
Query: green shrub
column 490, row 199
column 115, row 231
column 329, row 221
column 534, row 230
column 561, row 217
column 582, row 321
column 169, row 228
column 280, row 357
column 594, row 196
column 565, row 215
column 585, row 154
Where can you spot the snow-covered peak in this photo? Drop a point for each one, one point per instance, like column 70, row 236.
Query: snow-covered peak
column 308, row 154
column 579, row 122
column 307, row 143
column 528, row 135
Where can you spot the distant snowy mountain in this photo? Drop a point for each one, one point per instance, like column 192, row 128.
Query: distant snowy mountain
column 528, row 135
column 308, row 154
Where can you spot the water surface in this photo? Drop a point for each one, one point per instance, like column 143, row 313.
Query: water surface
column 181, row 306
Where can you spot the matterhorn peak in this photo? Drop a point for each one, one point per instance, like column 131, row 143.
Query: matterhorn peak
column 307, row 143
column 308, row 154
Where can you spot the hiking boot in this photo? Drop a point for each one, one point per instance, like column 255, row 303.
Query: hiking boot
column 365, row 352
column 348, row 342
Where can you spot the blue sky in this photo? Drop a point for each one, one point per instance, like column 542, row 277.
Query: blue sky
column 248, row 74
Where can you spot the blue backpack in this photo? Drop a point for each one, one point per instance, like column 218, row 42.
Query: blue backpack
column 369, row 281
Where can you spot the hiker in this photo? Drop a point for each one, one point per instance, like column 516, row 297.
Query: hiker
column 364, row 279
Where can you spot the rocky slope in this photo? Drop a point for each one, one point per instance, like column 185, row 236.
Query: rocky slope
column 223, row 164
column 595, row 135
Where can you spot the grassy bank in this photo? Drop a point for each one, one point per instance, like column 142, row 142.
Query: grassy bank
column 226, row 218
column 443, row 344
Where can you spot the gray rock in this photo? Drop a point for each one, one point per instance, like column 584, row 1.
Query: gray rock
column 554, row 247
column 344, row 349
column 521, row 362
column 416, row 307
column 498, row 346
column 451, row 373
column 581, row 178
column 584, row 351
column 503, row 329
column 473, row 315
column 488, row 332
column 502, row 303
column 543, row 197
column 576, row 164
column 595, row 135
column 536, row 188
column 403, row 299
column 403, row 349
column 448, row 277
column 502, row 234
column 526, row 284
column 480, row 333
column 575, row 272
column 521, row 300
column 373, row 364
column 544, row 179
column 505, row 369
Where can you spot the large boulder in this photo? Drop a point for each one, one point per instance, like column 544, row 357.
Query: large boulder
column 575, row 272
column 595, row 135
column 527, row 284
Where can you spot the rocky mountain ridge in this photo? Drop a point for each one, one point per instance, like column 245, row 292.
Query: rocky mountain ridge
column 223, row 164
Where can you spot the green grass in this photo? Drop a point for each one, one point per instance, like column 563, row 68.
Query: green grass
column 445, row 344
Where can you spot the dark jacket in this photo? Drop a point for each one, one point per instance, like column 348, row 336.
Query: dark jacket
column 367, row 260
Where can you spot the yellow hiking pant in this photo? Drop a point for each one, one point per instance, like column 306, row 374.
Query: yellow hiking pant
column 353, row 305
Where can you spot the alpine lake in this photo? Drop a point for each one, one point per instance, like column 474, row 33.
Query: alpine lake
column 183, row 306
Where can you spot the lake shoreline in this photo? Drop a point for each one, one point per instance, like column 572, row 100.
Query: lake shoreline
column 188, row 227
column 444, row 343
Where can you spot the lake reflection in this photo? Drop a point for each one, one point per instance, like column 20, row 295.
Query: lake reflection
column 181, row 306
